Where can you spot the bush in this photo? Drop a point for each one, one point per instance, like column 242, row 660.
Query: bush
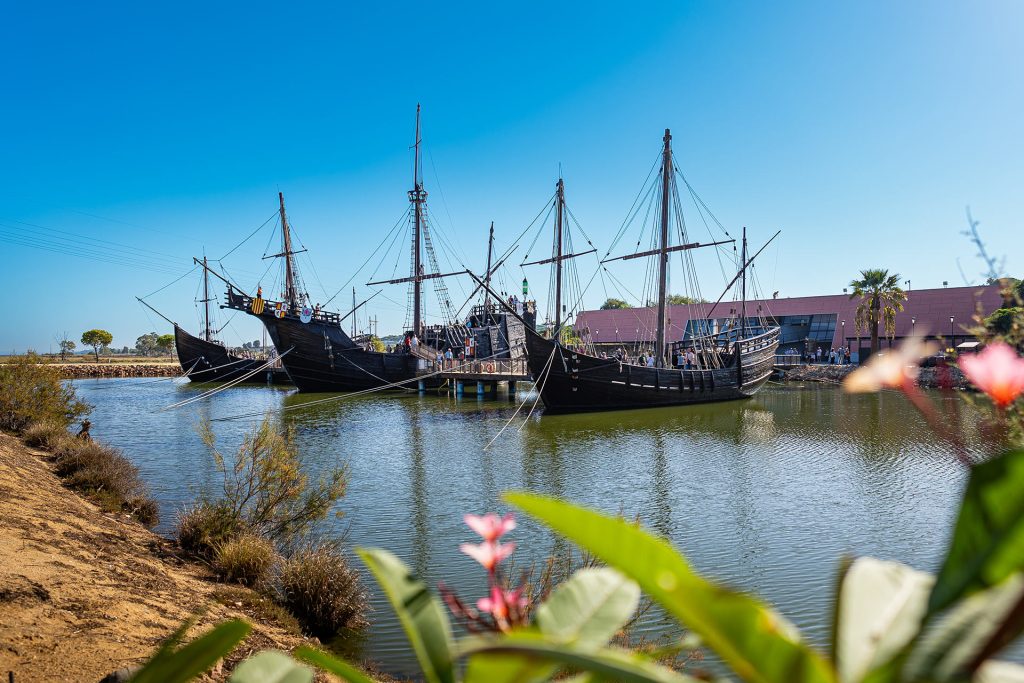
column 105, row 476
column 246, row 560
column 31, row 391
column 45, row 435
column 318, row 586
column 203, row 528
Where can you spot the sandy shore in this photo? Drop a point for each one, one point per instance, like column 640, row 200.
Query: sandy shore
column 84, row 593
column 156, row 368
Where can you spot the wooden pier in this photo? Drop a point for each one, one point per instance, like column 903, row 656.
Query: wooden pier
column 480, row 377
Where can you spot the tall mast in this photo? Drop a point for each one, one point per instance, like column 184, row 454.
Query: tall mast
column 289, row 269
column 743, row 305
column 417, row 197
column 206, row 298
column 490, row 249
column 559, row 209
column 666, row 184
column 353, row 308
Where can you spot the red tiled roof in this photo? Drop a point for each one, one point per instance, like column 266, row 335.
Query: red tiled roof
column 930, row 307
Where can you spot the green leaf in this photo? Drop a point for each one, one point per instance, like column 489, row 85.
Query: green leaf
column 589, row 608
column 988, row 541
column 607, row 663
column 999, row 672
column 333, row 665
column 879, row 610
column 754, row 641
column 953, row 648
column 505, row 667
column 271, row 666
column 422, row 616
column 178, row 666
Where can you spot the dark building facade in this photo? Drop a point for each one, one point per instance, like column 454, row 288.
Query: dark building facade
column 827, row 321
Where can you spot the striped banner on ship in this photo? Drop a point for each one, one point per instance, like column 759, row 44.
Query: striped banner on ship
column 257, row 306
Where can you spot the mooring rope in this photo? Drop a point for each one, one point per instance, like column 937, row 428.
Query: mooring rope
column 544, row 373
column 228, row 385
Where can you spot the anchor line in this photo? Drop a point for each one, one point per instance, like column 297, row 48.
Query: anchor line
column 152, row 381
column 227, row 385
column 540, row 391
column 544, row 372
column 352, row 394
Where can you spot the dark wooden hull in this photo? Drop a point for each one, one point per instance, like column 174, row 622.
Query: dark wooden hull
column 211, row 362
column 320, row 357
column 578, row 382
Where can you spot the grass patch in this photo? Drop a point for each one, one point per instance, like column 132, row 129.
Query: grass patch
column 258, row 606
column 319, row 587
column 205, row 527
column 246, row 560
column 45, row 435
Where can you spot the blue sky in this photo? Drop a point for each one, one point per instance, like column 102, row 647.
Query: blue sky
column 862, row 130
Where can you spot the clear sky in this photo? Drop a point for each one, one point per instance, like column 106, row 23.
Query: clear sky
column 146, row 134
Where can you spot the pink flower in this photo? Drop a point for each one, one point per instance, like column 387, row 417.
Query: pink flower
column 500, row 601
column 998, row 371
column 490, row 526
column 488, row 554
column 894, row 369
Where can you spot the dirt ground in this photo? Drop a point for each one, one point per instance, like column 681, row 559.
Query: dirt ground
column 84, row 593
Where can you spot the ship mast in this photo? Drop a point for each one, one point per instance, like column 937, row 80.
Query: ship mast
column 559, row 210
column 490, row 250
column 417, row 196
column 666, row 184
column 206, row 299
column 289, row 269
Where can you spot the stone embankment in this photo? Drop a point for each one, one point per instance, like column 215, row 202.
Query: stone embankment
column 932, row 378
column 96, row 370
column 84, row 593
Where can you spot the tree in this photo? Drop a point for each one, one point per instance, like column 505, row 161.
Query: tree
column 377, row 344
column 66, row 345
column 679, row 300
column 97, row 339
column 165, row 343
column 146, row 345
column 881, row 298
column 614, row 303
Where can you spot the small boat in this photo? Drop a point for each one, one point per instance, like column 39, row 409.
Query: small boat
column 730, row 364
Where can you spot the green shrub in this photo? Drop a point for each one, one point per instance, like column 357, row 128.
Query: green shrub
column 203, row 528
column 246, row 560
column 45, row 435
column 31, row 391
column 318, row 586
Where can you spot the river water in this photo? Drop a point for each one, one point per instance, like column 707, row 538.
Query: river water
column 766, row 495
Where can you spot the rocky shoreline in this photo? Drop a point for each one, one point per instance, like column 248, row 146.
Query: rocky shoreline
column 98, row 370
column 834, row 374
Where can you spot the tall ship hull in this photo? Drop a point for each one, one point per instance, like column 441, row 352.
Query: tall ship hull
column 571, row 381
column 207, row 361
column 320, row 357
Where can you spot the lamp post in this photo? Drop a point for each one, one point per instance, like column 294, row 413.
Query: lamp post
column 952, row 338
column 908, row 284
column 844, row 339
column 913, row 327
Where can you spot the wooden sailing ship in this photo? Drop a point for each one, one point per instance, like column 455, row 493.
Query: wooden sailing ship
column 729, row 365
column 320, row 356
column 204, row 359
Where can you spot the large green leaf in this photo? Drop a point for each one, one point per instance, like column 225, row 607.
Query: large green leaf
column 342, row 669
column 589, row 608
column 954, row 647
column 988, row 541
column 758, row 644
column 271, row 666
column 178, row 666
column 422, row 616
column 508, row 667
column 879, row 609
column 607, row 663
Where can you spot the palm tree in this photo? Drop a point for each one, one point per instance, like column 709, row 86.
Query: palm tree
column 880, row 299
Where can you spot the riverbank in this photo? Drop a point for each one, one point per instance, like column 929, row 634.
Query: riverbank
column 168, row 368
column 930, row 378
column 84, row 593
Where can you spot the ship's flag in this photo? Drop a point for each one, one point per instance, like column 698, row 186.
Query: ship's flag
column 257, row 306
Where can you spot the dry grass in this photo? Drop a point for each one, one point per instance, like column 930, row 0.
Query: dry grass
column 104, row 475
column 205, row 527
column 246, row 560
column 324, row 593
column 45, row 434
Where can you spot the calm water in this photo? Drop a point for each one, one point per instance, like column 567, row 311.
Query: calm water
column 766, row 495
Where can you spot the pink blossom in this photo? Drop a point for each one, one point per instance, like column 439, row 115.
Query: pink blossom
column 998, row 371
column 894, row 369
column 488, row 554
column 490, row 526
column 500, row 601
